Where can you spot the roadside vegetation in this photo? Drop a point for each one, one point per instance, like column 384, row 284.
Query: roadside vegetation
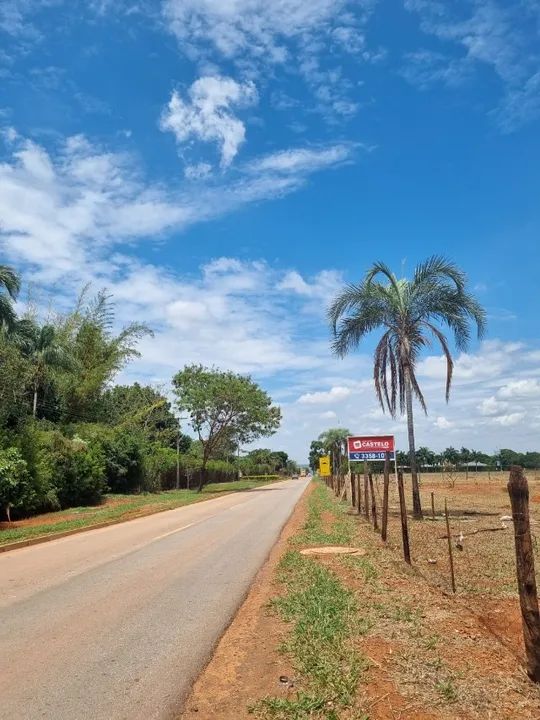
column 323, row 617
column 117, row 507
column 69, row 436
column 370, row 638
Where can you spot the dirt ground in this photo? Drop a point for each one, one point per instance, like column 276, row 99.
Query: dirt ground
column 429, row 655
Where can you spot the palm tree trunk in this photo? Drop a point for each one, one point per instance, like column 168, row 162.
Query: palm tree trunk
column 417, row 506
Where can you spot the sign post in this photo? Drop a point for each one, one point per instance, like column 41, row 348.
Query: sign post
column 324, row 466
column 370, row 447
column 373, row 447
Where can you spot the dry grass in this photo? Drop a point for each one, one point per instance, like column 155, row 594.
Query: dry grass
column 486, row 565
column 435, row 655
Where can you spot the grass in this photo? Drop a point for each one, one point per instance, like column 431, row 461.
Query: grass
column 324, row 619
column 374, row 612
column 118, row 507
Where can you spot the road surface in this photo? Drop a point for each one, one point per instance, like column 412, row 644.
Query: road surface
column 116, row 623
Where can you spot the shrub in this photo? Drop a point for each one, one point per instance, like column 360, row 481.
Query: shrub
column 124, row 452
column 159, row 469
column 74, row 468
column 14, row 480
column 40, row 495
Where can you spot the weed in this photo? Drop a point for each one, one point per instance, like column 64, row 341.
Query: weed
column 447, row 690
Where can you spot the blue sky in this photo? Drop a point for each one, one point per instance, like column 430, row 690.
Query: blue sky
column 223, row 166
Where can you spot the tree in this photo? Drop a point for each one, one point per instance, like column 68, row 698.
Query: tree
column 13, row 479
column 145, row 408
column 316, row 449
column 334, row 442
column 411, row 313
column 45, row 353
column 223, row 405
column 99, row 354
column 10, row 284
column 15, row 378
column 425, row 457
column 451, row 456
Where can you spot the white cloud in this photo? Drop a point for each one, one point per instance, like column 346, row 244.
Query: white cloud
column 207, row 115
column 442, row 423
column 494, row 358
column 58, row 208
column 303, row 159
column 328, row 415
column 335, row 394
column 424, row 68
column 260, row 36
column 14, row 16
column 322, row 286
column 199, row 171
column 257, row 27
column 497, row 35
column 528, row 388
column 491, row 406
column 509, row 420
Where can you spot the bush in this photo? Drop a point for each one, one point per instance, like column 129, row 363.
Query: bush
column 74, row 468
column 159, row 469
column 124, row 455
column 40, row 496
column 14, row 480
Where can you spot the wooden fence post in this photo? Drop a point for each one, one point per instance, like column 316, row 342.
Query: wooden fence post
column 518, row 490
column 386, row 485
column 358, row 493
column 373, row 503
column 404, row 527
column 353, row 490
column 450, row 553
column 433, row 505
column 366, row 492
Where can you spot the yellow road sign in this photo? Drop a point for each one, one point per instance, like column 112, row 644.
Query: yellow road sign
column 324, row 466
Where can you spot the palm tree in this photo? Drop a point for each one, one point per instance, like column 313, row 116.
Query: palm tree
column 10, row 284
column 45, row 353
column 411, row 313
column 334, row 441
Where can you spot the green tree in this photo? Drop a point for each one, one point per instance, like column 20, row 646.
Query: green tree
column 451, row 455
column 10, row 284
column 99, row 354
column 316, row 449
column 145, row 408
column 223, row 405
column 13, row 480
column 425, row 456
column 15, row 377
column 334, row 442
column 411, row 313
column 45, row 354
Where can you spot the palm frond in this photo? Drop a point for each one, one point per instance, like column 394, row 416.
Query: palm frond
column 7, row 313
column 381, row 268
column 416, row 388
column 435, row 269
column 446, row 350
column 10, row 280
column 380, row 372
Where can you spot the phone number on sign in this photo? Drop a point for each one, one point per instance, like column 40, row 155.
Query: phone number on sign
column 369, row 456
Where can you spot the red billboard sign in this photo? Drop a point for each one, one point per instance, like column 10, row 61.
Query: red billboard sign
column 370, row 447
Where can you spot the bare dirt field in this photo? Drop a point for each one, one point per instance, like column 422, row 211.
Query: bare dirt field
column 479, row 509
column 416, row 651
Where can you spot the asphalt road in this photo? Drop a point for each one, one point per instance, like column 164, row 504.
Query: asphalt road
column 116, row 623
